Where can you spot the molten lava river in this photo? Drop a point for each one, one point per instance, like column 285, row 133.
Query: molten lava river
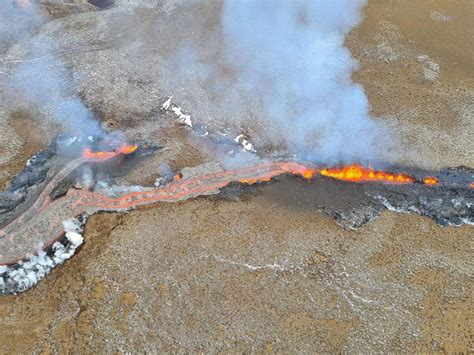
column 31, row 245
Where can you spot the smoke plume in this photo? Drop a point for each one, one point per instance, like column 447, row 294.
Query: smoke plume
column 291, row 55
column 36, row 76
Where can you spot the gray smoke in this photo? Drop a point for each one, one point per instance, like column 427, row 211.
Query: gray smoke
column 36, row 76
column 291, row 55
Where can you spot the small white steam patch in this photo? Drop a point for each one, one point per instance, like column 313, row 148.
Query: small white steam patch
column 87, row 179
column 246, row 144
column 240, row 159
column 430, row 68
column 29, row 161
column 71, row 140
column 439, row 16
column 26, row 274
column 117, row 190
column 166, row 174
column 178, row 111
column 160, row 181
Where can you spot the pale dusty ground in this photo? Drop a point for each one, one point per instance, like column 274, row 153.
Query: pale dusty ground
column 416, row 67
column 262, row 275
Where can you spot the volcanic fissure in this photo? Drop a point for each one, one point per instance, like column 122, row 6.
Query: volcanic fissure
column 36, row 237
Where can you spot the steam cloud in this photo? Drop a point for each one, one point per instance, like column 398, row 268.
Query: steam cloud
column 283, row 62
column 291, row 55
column 35, row 73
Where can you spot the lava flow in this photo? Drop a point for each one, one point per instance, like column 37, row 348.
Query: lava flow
column 46, row 211
column 358, row 173
column 105, row 155
column 41, row 224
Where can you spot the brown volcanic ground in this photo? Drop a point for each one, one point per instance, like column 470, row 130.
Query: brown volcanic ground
column 260, row 274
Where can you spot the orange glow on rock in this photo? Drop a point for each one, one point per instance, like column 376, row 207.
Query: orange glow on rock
column 308, row 173
column 430, row 180
column 254, row 181
column 127, row 149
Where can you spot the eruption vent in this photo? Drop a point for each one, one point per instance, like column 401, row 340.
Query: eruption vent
column 358, row 173
column 42, row 223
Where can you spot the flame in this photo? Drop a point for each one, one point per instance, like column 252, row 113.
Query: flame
column 105, row 155
column 177, row 177
column 430, row 180
column 308, row 173
column 358, row 173
column 127, row 149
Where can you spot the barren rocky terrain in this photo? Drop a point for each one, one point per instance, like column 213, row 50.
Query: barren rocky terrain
column 267, row 272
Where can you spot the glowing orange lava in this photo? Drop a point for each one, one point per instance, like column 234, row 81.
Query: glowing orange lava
column 308, row 173
column 358, row 173
column 430, row 180
column 105, row 155
column 471, row 185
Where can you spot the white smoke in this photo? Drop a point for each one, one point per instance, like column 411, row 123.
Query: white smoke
column 36, row 76
column 27, row 273
column 291, row 55
column 114, row 191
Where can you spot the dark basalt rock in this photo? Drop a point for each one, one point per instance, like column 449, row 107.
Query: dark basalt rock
column 9, row 200
column 446, row 205
column 101, row 4
column 354, row 204
column 32, row 175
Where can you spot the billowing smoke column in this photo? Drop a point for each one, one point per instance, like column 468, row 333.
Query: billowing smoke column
column 36, row 76
column 292, row 55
